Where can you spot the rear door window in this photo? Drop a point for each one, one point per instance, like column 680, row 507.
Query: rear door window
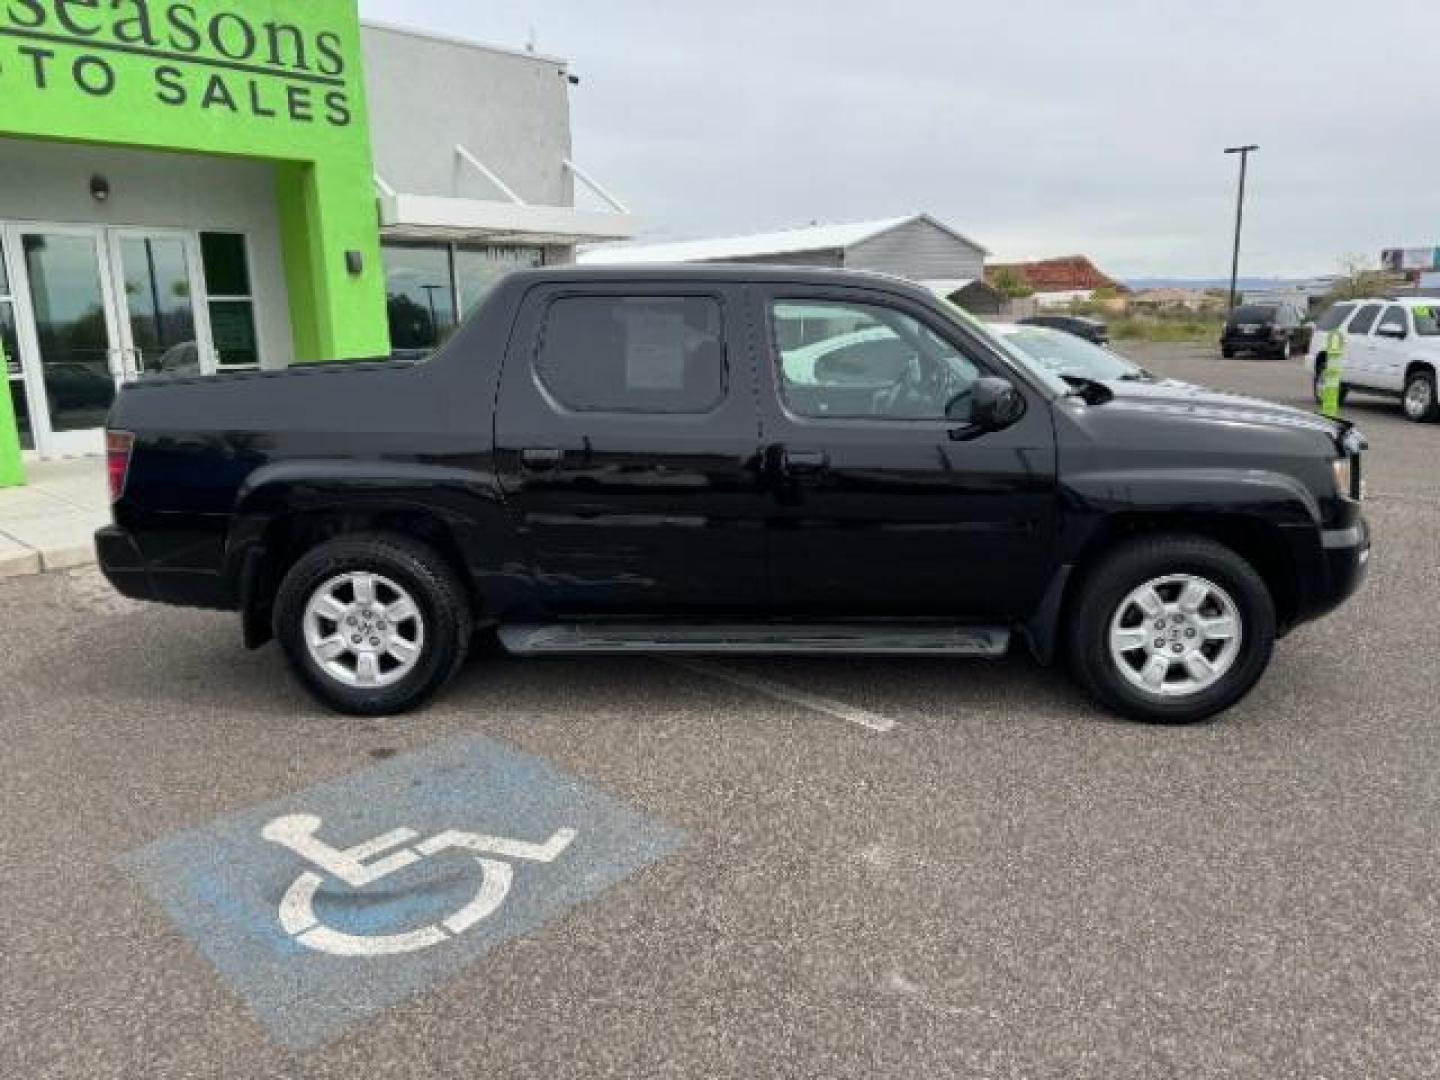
column 633, row 354
column 1365, row 320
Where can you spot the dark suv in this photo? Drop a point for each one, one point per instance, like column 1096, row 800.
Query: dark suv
column 734, row 460
column 1264, row 329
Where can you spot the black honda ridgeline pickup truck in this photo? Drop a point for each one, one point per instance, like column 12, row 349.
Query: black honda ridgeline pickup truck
column 734, row 460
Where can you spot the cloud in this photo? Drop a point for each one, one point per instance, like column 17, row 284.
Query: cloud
column 1038, row 127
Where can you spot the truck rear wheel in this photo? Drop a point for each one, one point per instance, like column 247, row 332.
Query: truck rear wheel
column 1171, row 629
column 373, row 624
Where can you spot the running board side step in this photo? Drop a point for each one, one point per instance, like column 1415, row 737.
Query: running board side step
column 774, row 640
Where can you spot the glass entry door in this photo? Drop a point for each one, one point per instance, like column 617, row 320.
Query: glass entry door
column 69, row 346
column 96, row 308
column 163, row 330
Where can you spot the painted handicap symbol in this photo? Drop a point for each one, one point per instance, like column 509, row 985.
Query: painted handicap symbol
column 377, row 859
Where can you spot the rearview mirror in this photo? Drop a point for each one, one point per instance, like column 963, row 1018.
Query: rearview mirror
column 995, row 405
column 1396, row 332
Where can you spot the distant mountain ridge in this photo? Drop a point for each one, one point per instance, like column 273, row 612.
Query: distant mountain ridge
column 1245, row 283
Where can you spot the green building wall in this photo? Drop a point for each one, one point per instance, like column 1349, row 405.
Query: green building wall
column 274, row 80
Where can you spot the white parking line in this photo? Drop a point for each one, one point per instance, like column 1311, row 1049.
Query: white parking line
column 788, row 694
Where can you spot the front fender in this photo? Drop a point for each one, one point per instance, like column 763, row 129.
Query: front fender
column 1271, row 498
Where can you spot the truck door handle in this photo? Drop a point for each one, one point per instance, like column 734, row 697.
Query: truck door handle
column 804, row 462
column 542, row 457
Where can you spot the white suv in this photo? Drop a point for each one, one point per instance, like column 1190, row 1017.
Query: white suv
column 1392, row 347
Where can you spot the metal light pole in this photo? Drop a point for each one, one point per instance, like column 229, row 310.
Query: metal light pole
column 1244, row 152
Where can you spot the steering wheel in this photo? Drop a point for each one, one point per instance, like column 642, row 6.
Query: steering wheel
column 909, row 393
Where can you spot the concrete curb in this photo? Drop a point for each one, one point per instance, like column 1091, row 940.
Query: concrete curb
column 17, row 561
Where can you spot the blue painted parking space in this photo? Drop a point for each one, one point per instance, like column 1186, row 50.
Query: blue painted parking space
column 324, row 907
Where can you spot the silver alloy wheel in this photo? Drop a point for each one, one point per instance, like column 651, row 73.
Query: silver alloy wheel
column 364, row 631
column 1417, row 398
column 1176, row 636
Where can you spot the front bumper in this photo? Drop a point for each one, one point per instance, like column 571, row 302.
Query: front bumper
column 1347, row 564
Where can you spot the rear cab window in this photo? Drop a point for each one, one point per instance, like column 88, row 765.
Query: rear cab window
column 1255, row 313
column 633, row 354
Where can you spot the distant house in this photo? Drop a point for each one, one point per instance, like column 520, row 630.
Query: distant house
column 919, row 247
column 1058, row 281
column 1175, row 299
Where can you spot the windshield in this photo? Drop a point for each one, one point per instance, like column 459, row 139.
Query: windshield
column 1017, row 356
column 1065, row 354
column 1332, row 319
column 1427, row 321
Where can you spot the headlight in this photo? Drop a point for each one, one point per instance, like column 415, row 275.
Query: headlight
column 1344, row 477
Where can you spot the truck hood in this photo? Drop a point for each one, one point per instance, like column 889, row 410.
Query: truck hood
column 1185, row 399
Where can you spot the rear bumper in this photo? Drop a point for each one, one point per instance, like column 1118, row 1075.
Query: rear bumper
column 124, row 565
column 1257, row 343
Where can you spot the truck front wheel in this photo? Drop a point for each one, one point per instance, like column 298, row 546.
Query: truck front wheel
column 1171, row 629
column 373, row 624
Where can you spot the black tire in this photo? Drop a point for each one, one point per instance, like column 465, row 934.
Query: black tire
column 415, row 567
column 1103, row 590
column 1421, row 383
column 1227, row 352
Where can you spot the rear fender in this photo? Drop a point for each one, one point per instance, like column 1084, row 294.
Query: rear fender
column 464, row 505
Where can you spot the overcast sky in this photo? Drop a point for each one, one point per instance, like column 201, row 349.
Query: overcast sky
column 1037, row 127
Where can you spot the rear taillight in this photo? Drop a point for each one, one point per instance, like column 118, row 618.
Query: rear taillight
column 118, row 445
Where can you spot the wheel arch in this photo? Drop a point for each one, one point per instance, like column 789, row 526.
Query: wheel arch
column 1260, row 542
column 1414, row 365
column 277, row 542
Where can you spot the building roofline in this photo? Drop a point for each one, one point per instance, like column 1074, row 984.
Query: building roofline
column 801, row 240
column 957, row 234
column 468, row 43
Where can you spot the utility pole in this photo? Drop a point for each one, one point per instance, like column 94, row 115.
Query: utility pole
column 1244, row 152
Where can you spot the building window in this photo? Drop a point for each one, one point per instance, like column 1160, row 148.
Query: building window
column 430, row 288
column 231, row 300
column 478, row 268
column 419, row 296
column 10, row 357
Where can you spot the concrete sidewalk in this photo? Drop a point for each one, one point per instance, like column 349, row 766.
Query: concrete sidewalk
column 50, row 523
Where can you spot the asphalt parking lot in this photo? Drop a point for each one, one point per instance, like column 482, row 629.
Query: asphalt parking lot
column 796, row 868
